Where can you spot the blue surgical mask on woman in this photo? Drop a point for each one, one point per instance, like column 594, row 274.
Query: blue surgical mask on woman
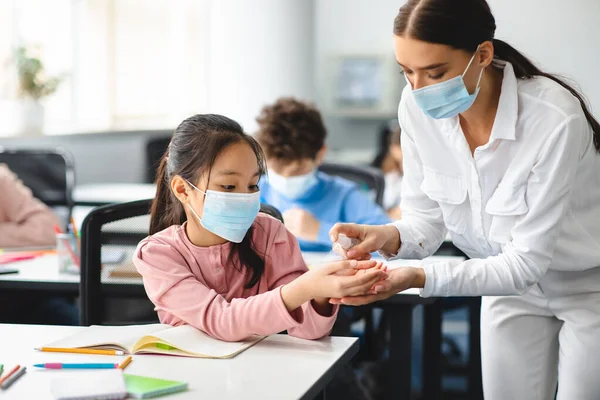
column 293, row 187
column 228, row 215
column 447, row 99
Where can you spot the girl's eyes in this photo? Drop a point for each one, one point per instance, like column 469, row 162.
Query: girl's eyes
column 229, row 188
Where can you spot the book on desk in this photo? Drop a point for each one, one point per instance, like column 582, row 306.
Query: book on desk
column 183, row 340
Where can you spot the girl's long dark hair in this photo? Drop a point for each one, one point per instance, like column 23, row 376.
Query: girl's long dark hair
column 194, row 147
column 465, row 24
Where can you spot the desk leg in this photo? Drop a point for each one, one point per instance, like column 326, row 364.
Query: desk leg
column 398, row 374
column 432, row 352
column 475, row 386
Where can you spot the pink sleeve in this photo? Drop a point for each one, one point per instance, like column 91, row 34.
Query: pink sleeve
column 173, row 288
column 24, row 220
column 286, row 264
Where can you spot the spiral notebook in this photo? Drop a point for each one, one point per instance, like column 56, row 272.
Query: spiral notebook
column 183, row 340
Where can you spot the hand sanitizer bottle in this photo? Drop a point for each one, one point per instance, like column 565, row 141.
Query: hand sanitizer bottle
column 343, row 244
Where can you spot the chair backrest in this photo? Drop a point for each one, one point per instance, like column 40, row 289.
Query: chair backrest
column 155, row 149
column 369, row 178
column 49, row 173
column 111, row 290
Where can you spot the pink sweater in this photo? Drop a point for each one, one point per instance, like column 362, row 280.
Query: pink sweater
column 24, row 220
column 199, row 286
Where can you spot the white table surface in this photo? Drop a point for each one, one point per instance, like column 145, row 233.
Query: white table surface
column 40, row 269
column 279, row 367
column 45, row 270
column 113, row 192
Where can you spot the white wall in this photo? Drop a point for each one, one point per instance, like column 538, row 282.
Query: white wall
column 561, row 36
column 352, row 27
column 259, row 50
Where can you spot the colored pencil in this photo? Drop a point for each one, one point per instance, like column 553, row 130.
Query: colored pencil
column 68, row 246
column 12, row 371
column 77, row 366
column 81, row 351
column 125, row 363
column 7, row 382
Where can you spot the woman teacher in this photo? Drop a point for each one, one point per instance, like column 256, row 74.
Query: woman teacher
column 506, row 158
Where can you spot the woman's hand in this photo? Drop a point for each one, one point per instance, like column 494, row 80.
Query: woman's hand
column 339, row 279
column 372, row 238
column 398, row 280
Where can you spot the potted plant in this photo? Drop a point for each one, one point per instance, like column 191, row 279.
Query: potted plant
column 33, row 85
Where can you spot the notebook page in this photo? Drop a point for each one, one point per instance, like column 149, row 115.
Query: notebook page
column 109, row 336
column 192, row 340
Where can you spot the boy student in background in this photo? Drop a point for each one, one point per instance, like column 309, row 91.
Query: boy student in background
column 389, row 161
column 214, row 262
column 292, row 135
column 27, row 222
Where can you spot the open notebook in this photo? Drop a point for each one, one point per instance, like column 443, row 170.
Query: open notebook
column 183, row 340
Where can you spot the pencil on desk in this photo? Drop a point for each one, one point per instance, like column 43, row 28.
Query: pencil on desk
column 77, row 366
column 76, row 235
column 12, row 371
column 125, row 363
column 8, row 381
column 81, row 351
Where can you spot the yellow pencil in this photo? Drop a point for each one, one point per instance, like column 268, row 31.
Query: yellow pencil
column 125, row 363
column 81, row 351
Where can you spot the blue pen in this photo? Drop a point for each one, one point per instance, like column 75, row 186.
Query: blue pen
column 77, row 366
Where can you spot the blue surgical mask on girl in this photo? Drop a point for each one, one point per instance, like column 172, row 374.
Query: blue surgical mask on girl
column 293, row 187
column 228, row 215
column 447, row 99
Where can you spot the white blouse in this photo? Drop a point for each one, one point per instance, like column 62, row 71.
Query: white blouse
column 526, row 202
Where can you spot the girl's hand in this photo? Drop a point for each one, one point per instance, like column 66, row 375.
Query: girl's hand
column 372, row 238
column 398, row 280
column 338, row 280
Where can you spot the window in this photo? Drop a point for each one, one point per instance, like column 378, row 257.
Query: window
column 128, row 64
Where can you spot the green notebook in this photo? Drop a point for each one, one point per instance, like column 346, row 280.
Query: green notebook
column 144, row 387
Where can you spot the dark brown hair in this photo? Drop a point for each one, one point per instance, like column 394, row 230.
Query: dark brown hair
column 196, row 144
column 291, row 130
column 465, row 24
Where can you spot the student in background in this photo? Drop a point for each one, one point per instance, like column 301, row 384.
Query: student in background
column 27, row 222
column 213, row 262
column 389, row 161
column 24, row 220
column 292, row 135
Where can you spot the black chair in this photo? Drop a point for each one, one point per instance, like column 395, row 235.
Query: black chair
column 109, row 235
column 49, row 173
column 370, row 178
column 155, row 149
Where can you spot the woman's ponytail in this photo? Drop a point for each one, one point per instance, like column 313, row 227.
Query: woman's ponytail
column 525, row 69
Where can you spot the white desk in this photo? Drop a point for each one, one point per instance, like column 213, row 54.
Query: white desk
column 279, row 367
column 42, row 274
column 108, row 193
